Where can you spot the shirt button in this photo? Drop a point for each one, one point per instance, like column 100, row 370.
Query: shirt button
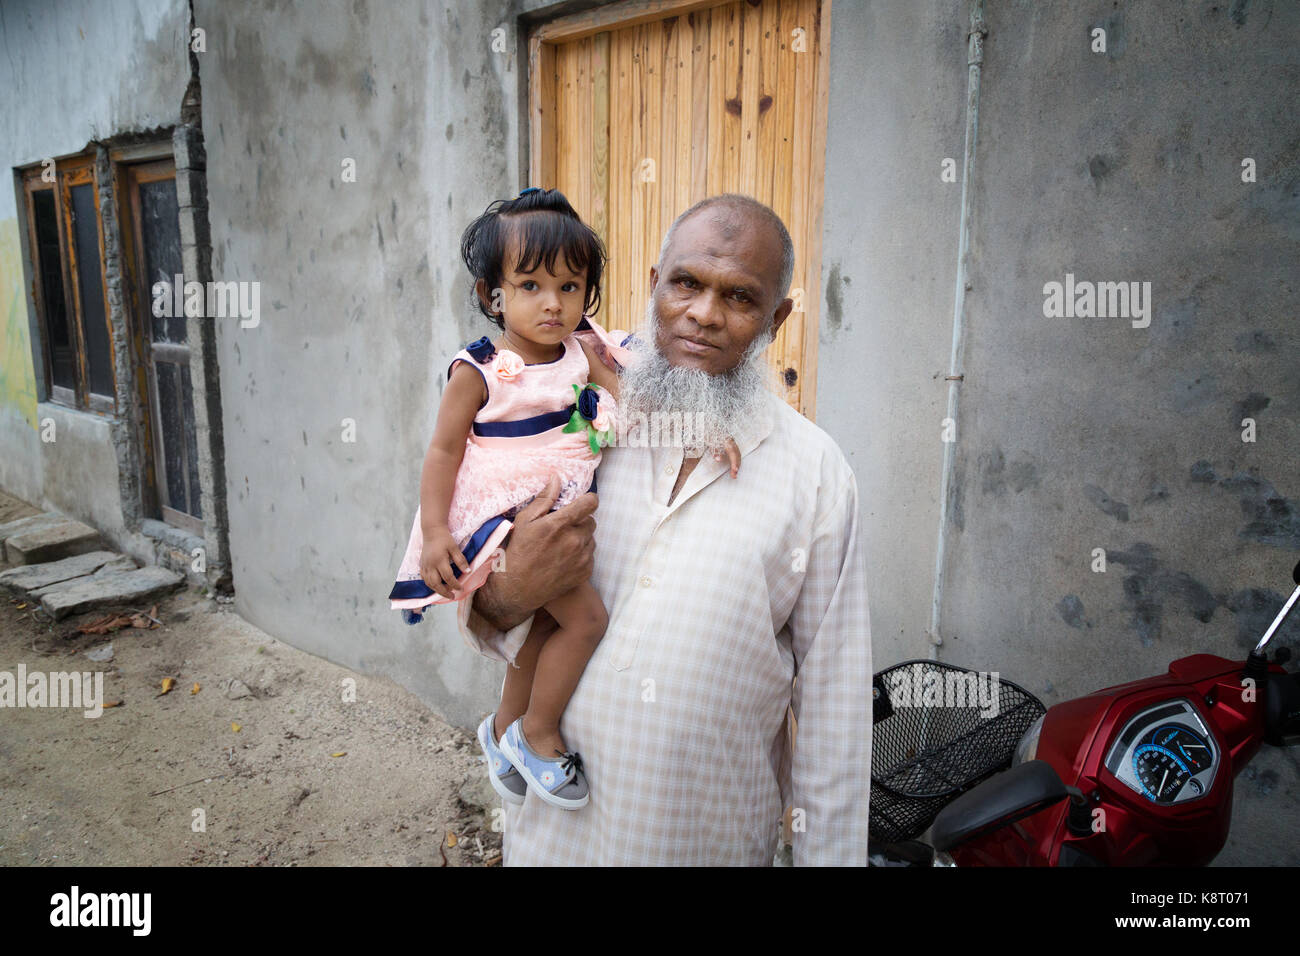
column 646, row 581
column 668, row 469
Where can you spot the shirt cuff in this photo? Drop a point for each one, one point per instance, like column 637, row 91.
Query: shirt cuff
column 486, row 639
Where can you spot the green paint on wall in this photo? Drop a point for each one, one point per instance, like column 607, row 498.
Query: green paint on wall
column 17, row 375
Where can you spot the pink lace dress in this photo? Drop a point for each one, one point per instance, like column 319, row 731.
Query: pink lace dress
column 516, row 443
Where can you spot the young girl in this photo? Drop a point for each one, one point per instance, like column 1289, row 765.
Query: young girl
column 536, row 401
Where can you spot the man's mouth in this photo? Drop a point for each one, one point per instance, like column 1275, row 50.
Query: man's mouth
column 698, row 346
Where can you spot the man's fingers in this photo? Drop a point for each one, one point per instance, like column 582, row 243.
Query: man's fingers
column 733, row 456
column 580, row 509
column 543, row 503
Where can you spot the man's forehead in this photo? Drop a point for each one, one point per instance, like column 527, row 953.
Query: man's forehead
column 727, row 244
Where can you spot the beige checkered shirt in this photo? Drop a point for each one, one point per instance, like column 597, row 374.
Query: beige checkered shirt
column 715, row 603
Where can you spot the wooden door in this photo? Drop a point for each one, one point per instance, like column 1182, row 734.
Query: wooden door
column 152, row 228
column 640, row 109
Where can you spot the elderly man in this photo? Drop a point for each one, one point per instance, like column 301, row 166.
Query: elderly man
column 720, row 591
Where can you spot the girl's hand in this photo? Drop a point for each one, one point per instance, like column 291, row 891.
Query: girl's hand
column 733, row 457
column 437, row 554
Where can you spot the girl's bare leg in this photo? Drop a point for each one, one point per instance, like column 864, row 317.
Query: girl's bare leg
column 519, row 677
column 582, row 620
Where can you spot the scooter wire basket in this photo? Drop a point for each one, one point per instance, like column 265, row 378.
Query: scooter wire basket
column 938, row 730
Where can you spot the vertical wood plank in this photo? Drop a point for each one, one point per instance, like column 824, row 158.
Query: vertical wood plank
column 636, row 195
column 714, row 182
column 621, row 172
column 669, row 159
column 583, row 123
column 541, row 112
column 600, row 135
column 652, row 38
column 700, row 52
column 749, row 50
column 768, row 90
column 808, row 393
column 785, row 122
column 732, row 102
column 684, row 117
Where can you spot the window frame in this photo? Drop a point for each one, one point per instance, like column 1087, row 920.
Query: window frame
column 69, row 172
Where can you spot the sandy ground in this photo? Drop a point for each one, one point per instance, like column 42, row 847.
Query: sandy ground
column 165, row 779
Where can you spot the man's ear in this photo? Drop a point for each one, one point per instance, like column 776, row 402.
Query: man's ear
column 779, row 316
column 654, row 277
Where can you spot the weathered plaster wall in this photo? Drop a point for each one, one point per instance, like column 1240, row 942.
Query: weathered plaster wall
column 1085, row 433
column 73, row 73
column 330, row 400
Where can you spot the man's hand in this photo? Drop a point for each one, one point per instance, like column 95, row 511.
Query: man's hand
column 547, row 555
column 732, row 455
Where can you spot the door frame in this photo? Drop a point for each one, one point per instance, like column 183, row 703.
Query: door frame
column 542, row 40
column 128, row 165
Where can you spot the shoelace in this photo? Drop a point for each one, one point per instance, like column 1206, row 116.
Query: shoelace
column 572, row 761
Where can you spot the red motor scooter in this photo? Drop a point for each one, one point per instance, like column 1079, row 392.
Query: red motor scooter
column 1135, row 775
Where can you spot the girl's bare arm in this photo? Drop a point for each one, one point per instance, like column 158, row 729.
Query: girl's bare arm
column 461, row 399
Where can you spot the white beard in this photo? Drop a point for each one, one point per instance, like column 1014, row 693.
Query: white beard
column 714, row 407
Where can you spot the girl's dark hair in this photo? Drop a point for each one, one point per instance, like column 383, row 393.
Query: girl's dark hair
column 552, row 229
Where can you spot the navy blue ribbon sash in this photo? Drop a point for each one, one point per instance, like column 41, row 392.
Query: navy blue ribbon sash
column 524, row 426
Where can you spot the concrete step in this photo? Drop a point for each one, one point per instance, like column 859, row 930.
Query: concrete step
column 29, row 578
column 31, row 523
column 117, row 587
column 50, row 543
column 119, row 564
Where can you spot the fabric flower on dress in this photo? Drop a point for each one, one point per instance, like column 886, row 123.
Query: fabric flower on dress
column 482, row 349
column 588, row 402
column 508, row 365
column 586, row 411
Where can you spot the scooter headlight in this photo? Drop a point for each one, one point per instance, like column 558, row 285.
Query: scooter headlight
column 1027, row 749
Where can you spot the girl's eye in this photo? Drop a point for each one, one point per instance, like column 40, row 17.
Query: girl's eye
column 528, row 285
column 570, row 287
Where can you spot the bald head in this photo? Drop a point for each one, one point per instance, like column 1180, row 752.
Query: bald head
column 735, row 214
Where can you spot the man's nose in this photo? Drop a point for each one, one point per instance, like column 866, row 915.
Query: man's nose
column 705, row 309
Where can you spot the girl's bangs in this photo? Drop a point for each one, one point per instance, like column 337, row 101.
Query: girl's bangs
column 545, row 235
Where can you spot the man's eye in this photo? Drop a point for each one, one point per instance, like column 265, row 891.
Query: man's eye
column 686, row 281
column 741, row 296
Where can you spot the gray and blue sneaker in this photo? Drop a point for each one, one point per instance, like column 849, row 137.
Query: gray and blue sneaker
column 505, row 779
column 560, row 781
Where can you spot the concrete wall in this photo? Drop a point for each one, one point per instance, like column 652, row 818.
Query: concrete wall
column 363, row 298
column 73, row 73
column 1073, row 434
column 1084, row 433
